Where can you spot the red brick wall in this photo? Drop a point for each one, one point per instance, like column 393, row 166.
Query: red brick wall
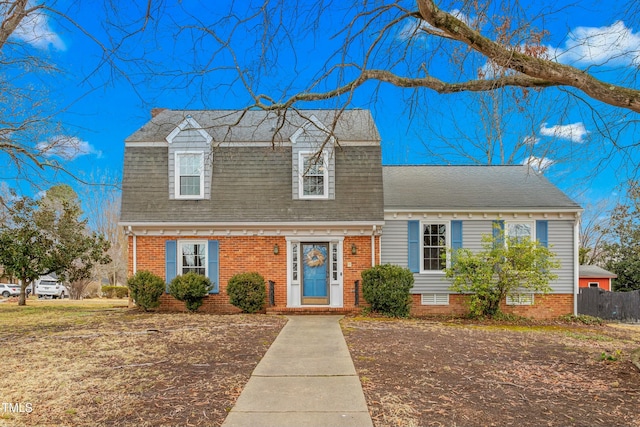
column 359, row 262
column 545, row 307
column 603, row 283
column 239, row 254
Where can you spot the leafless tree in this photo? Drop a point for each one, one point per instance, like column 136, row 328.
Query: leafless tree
column 33, row 137
column 430, row 54
column 594, row 233
column 102, row 207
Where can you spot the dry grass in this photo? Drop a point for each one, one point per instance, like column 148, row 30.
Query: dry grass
column 88, row 363
column 428, row 373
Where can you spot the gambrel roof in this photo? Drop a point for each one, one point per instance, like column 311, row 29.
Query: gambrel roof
column 251, row 178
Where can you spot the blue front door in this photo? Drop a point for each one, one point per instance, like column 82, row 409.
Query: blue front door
column 315, row 271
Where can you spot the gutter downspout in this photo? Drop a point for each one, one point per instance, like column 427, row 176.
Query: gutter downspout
column 134, row 267
column 576, row 262
column 373, row 247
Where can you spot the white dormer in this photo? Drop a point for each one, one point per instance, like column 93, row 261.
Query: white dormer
column 313, row 131
column 313, row 163
column 190, row 130
column 190, row 161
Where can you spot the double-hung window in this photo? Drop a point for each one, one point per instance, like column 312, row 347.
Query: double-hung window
column 519, row 230
column 314, row 176
column 434, row 246
column 189, row 175
column 192, row 257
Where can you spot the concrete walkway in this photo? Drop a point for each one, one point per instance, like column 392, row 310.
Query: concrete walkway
column 305, row 379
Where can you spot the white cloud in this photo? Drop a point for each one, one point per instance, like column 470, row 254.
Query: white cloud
column 539, row 164
column 574, row 132
column 35, row 30
column 615, row 44
column 66, row 147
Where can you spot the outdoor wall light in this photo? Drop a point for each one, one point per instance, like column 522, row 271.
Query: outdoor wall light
column 276, row 249
column 354, row 249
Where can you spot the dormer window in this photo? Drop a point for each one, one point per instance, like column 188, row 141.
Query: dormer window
column 313, row 175
column 189, row 175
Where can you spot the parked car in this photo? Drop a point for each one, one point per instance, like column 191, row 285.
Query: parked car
column 51, row 288
column 9, row 290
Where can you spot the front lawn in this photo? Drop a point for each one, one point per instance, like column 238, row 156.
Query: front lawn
column 437, row 373
column 98, row 363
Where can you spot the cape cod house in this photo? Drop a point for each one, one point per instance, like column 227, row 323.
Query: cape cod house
column 303, row 199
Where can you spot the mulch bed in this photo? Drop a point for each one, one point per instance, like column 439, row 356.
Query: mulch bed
column 435, row 373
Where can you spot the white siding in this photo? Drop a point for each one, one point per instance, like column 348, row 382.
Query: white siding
column 394, row 250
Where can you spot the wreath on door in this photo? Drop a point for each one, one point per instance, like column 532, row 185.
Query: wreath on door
column 314, row 258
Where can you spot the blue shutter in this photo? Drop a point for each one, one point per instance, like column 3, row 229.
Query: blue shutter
column 498, row 229
column 414, row 246
column 542, row 233
column 170, row 260
column 456, row 238
column 213, row 266
column 456, row 235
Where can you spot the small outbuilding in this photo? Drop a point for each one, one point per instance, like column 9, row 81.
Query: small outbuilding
column 592, row 276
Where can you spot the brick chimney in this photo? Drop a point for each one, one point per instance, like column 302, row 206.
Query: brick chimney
column 156, row 111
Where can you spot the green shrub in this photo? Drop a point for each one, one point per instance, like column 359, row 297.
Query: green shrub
column 115, row 291
column 583, row 318
column 247, row 291
column 386, row 288
column 146, row 289
column 190, row 288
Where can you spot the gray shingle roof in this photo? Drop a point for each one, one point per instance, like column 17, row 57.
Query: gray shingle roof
column 254, row 125
column 469, row 188
column 593, row 271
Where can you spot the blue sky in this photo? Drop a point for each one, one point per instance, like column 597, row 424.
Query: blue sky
column 101, row 98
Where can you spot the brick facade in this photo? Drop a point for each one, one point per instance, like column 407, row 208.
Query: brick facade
column 240, row 254
column 545, row 307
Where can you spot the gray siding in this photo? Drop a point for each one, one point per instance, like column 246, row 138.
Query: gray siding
column 394, row 250
column 561, row 243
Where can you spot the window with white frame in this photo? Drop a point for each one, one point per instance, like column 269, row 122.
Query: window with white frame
column 434, row 246
column 334, row 262
column 294, row 261
column 192, row 257
column 314, row 176
column 519, row 230
column 189, row 175
column 594, row 284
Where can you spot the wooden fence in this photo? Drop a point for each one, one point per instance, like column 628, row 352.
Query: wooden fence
column 623, row 306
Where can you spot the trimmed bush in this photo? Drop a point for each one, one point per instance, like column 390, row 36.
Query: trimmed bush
column 386, row 288
column 191, row 288
column 247, row 291
column 115, row 291
column 146, row 289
